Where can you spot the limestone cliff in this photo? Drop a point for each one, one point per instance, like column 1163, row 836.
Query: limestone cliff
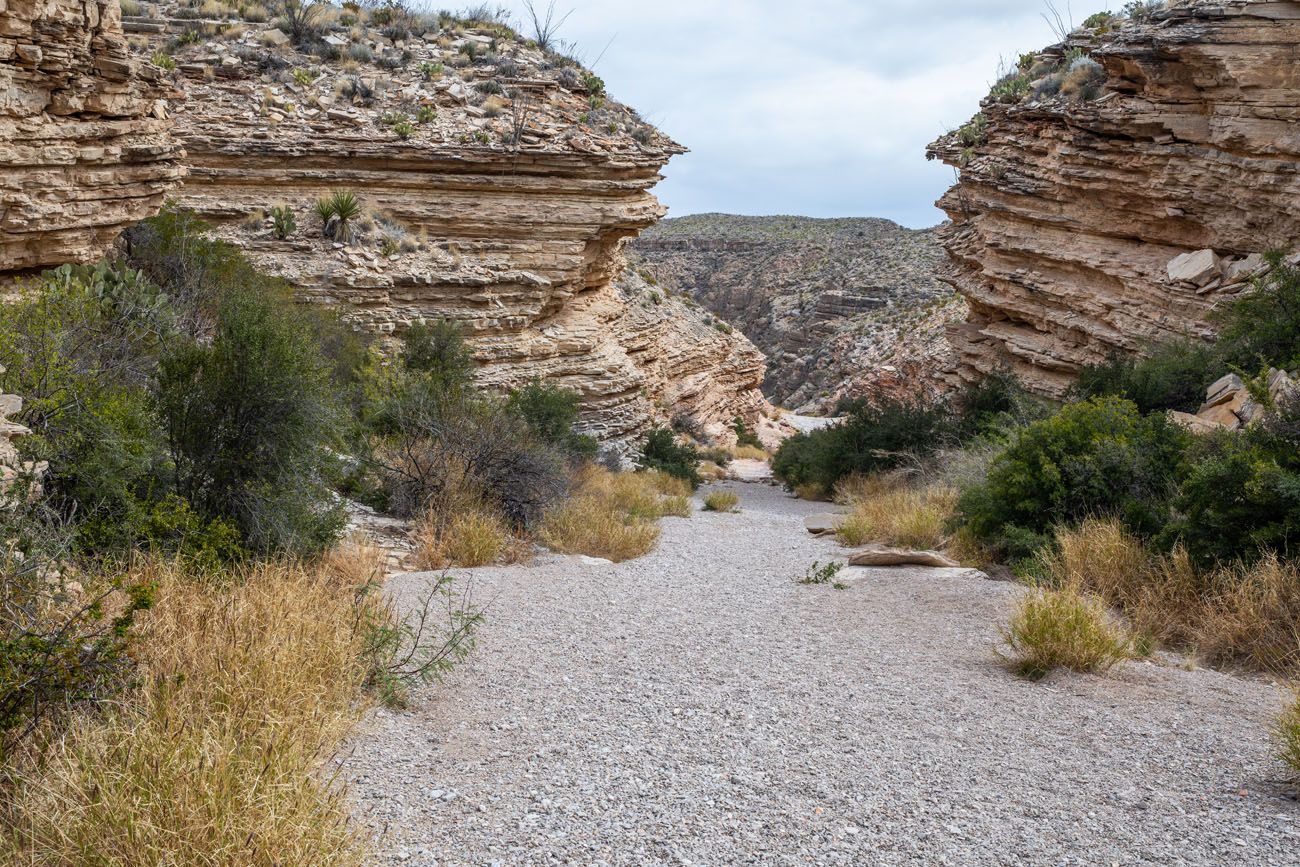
column 84, row 144
column 841, row 307
column 1116, row 187
column 496, row 184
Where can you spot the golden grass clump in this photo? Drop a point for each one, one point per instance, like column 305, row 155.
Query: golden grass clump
column 614, row 515
column 470, row 537
column 1236, row 613
column 812, row 492
column 218, row 757
column 906, row 517
column 749, row 453
column 1064, row 628
column 1287, row 734
column 721, row 501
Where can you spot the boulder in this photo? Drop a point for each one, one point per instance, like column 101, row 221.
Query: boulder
column 880, row 555
column 1223, row 390
column 275, row 37
column 1198, row 268
column 1195, row 423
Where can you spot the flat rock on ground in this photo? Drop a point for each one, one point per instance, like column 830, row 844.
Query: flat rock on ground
column 698, row 707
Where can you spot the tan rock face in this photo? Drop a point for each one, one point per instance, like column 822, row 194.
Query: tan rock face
column 1081, row 228
column 496, row 193
column 84, row 143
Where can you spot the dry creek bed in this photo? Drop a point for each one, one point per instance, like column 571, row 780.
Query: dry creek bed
column 698, row 707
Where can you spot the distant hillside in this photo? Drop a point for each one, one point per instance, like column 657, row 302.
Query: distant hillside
column 838, row 305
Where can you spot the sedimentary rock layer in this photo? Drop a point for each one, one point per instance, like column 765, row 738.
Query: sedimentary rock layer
column 496, row 188
column 84, row 144
column 1070, row 215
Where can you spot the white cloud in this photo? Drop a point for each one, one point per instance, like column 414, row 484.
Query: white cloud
column 821, row 108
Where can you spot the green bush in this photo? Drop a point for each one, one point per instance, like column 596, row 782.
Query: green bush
column 250, row 418
column 438, row 349
column 1097, row 458
column 1241, row 498
column 1173, row 376
column 1262, row 328
column 662, row 451
column 551, row 413
column 877, row 435
column 745, row 436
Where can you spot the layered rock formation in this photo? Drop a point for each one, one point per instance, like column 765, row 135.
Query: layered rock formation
column 1121, row 214
column 496, row 185
column 84, row 144
column 840, row 307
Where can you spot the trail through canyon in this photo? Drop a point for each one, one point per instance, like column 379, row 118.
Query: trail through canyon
column 699, row 707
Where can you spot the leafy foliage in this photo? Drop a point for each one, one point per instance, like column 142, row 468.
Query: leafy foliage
column 1100, row 457
column 1173, row 376
column 551, row 412
column 661, row 451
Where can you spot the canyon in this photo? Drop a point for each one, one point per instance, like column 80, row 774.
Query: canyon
column 843, row 308
column 1097, row 223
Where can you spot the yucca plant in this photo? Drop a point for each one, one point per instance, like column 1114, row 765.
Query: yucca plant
column 343, row 206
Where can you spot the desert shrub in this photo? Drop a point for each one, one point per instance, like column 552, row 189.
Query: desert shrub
column 1083, row 79
column 904, row 516
column 877, row 435
column 1241, row 497
column 249, row 419
column 1142, row 10
column 337, row 212
column 438, row 349
column 64, row 636
column 1064, row 628
column 1096, row 458
column 721, row 501
column 1287, row 734
column 661, row 451
column 819, row 574
column 551, row 413
column 745, row 436
column 1098, row 19
column 1262, row 328
column 82, row 349
column 1172, row 376
column 715, row 455
column 300, row 20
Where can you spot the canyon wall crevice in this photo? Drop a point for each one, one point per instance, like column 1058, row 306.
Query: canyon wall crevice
column 1074, row 220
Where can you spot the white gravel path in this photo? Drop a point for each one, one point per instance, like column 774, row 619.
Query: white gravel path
column 697, row 707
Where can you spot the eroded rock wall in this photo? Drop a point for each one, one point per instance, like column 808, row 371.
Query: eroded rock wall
column 496, row 188
column 1080, row 227
column 84, row 143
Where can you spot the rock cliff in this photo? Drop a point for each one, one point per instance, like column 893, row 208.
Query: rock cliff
column 1117, row 186
column 84, row 144
column 495, row 184
column 840, row 307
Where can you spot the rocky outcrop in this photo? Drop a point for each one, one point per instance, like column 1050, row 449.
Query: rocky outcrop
column 1123, row 213
column 840, row 307
column 84, row 144
column 13, row 470
column 1230, row 404
column 496, row 185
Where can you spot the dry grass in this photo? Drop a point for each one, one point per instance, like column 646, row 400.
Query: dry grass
column 470, row 537
column 1287, row 734
column 1247, row 615
column 750, row 453
column 218, row 757
column 1065, row 628
column 614, row 515
column 711, row 472
column 721, row 501
column 906, row 517
column 812, row 492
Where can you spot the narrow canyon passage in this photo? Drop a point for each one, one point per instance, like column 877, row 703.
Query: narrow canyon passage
column 698, row 707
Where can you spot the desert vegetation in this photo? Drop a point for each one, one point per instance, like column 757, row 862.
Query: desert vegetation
column 188, row 635
column 1134, row 532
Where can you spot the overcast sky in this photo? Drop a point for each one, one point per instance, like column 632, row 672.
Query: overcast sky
column 811, row 107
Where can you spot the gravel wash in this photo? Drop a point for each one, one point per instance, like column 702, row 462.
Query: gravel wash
column 698, row 707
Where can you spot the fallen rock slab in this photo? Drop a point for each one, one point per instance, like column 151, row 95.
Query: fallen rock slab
column 823, row 525
column 880, row 555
